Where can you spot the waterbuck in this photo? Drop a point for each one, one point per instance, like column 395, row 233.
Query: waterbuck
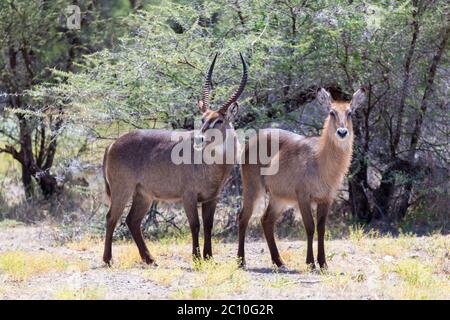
column 139, row 165
column 311, row 169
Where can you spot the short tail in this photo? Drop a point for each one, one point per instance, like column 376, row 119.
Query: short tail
column 108, row 189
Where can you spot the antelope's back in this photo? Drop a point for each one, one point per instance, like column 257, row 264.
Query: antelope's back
column 290, row 162
column 144, row 157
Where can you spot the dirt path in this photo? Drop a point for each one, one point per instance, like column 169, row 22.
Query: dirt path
column 34, row 266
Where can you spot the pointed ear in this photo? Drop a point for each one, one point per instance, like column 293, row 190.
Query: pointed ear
column 359, row 97
column 232, row 111
column 324, row 99
column 201, row 106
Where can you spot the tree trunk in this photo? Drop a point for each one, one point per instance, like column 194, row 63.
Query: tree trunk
column 385, row 192
column 405, row 83
column 403, row 205
column 358, row 184
column 26, row 152
column 48, row 184
column 27, row 182
column 417, row 131
column 40, row 169
column 358, row 180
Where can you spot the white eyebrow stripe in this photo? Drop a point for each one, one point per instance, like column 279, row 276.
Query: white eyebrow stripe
column 214, row 123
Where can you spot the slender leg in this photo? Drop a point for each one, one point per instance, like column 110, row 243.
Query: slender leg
column 322, row 212
column 252, row 191
column 110, row 226
column 208, row 209
column 190, row 206
column 268, row 222
column 244, row 217
column 140, row 206
column 308, row 221
column 118, row 203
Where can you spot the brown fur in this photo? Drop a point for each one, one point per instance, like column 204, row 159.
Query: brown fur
column 139, row 166
column 310, row 171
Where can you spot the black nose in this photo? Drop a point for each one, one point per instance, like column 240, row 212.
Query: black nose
column 342, row 132
column 198, row 140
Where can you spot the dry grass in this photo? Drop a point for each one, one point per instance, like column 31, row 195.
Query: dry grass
column 3, row 287
column 21, row 265
column 364, row 266
column 294, row 260
column 162, row 276
column 384, row 247
column 84, row 293
column 417, row 281
column 358, row 236
column 280, row 282
column 126, row 256
column 7, row 223
column 338, row 280
column 402, row 267
column 86, row 243
column 214, row 280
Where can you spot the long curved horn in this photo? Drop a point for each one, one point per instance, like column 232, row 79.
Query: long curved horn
column 207, row 85
column 239, row 91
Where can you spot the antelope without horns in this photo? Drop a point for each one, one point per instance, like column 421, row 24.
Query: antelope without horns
column 311, row 169
column 138, row 165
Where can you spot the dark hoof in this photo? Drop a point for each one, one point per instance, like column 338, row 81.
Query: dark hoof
column 154, row 265
column 196, row 257
column 311, row 267
column 207, row 256
column 323, row 266
column 107, row 260
column 279, row 263
column 282, row 268
column 241, row 263
column 150, row 262
column 108, row 264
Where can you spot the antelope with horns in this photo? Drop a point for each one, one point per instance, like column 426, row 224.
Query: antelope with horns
column 139, row 165
column 311, row 169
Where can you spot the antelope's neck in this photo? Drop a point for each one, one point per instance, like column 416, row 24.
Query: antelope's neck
column 230, row 145
column 224, row 151
column 333, row 159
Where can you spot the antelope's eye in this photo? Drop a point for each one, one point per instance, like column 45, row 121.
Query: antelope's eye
column 349, row 114
column 333, row 113
column 219, row 121
column 203, row 120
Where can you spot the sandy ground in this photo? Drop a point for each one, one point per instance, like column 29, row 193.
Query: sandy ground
column 360, row 267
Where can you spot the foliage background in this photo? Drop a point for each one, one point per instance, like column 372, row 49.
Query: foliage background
column 140, row 64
